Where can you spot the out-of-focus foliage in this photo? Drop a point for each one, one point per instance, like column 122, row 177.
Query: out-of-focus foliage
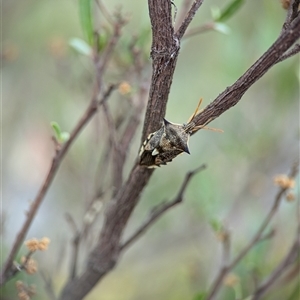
column 44, row 79
column 229, row 11
column 86, row 18
column 80, row 46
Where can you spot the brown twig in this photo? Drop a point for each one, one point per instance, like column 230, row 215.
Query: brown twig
column 232, row 94
column 200, row 29
column 160, row 209
column 102, row 61
column 290, row 53
column 116, row 150
column 267, row 236
column 292, row 13
column 8, row 270
column 289, row 259
column 75, row 244
column 257, row 238
column 188, row 19
column 134, row 121
column 226, row 247
column 105, row 12
column 48, row 286
column 16, row 267
column 103, row 164
column 185, row 6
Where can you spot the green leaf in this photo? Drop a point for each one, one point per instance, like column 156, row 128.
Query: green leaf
column 81, row 46
column 294, row 294
column 200, row 296
column 56, row 129
column 61, row 136
column 215, row 12
column 102, row 40
column 229, row 10
column 86, row 18
column 238, row 291
column 216, row 225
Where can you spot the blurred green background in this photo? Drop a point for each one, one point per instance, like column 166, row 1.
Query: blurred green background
column 45, row 80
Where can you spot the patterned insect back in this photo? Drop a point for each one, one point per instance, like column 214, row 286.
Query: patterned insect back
column 164, row 144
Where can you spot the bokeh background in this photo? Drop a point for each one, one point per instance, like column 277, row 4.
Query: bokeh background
column 45, row 80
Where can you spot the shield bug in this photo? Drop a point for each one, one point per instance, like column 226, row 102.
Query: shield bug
column 163, row 145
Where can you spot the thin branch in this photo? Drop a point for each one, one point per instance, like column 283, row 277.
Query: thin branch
column 16, row 267
column 8, row 269
column 24, row 264
column 226, row 247
column 267, row 236
column 289, row 259
column 105, row 12
column 48, row 286
column 266, row 221
column 233, row 94
column 295, row 50
column 103, row 164
column 292, row 13
column 200, row 29
column 259, row 232
column 160, row 209
column 175, row 11
column 116, row 150
column 134, row 121
column 101, row 62
column 291, row 275
column 257, row 238
column 188, row 19
column 74, row 259
column 75, row 245
column 71, row 223
column 186, row 4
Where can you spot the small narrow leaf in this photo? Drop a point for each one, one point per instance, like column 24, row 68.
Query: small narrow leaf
column 86, row 18
column 61, row 136
column 229, row 10
column 80, row 46
column 56, row 129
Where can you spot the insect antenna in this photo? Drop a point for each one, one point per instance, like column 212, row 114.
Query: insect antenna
column 191, row 127
column 197, row 111
column 196, row 128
